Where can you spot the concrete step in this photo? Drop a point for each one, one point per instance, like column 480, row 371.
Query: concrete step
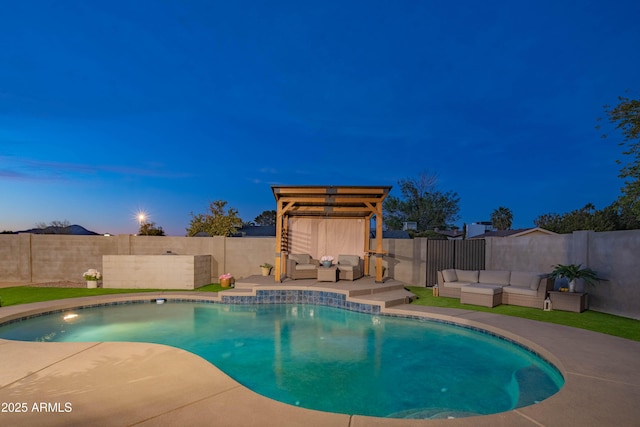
column 375, row 288
column 386, row 299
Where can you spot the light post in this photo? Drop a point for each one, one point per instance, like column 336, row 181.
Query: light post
column 141, row 216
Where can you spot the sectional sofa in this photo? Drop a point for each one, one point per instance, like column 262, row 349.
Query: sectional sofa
column 527, row 289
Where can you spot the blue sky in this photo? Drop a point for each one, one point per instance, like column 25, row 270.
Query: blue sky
column 107, row 108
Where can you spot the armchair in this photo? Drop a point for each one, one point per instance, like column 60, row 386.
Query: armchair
column 349, row 267
column 302, row 266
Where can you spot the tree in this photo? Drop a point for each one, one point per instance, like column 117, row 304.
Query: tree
column 626, row 117
column 266, row 218
column 587, row 218
column 150, row 229
column 217, row 223
column 423, row 203
column 502, row 218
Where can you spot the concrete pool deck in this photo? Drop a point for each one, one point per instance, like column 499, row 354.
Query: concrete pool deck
column 118, row 384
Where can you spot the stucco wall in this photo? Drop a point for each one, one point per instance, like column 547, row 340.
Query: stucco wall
column 15, row 257
column 66, row 257
column 528, row 253
column 405, row 260
column 244, row 255
column 620, row 294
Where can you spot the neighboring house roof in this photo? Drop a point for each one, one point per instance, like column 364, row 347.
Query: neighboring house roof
column 537, row 231
column 391, row 234
column 452, row 234
column 256, row 231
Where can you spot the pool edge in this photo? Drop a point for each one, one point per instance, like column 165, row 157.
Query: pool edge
column 544, row 412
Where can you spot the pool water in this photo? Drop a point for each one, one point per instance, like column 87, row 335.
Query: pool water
column 325, row 358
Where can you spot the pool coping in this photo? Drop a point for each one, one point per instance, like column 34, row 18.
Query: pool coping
column 162, row 385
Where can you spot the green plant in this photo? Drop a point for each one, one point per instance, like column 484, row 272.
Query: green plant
column 572, row 272
column 266, row 265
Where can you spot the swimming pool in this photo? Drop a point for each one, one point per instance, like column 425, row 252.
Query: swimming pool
column 325, row 358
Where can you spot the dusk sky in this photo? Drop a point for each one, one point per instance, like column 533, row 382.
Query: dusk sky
column 111, row 107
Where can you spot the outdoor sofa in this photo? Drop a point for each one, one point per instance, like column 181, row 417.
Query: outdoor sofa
column 302, row 266
column 349, row 267
column 492, row 287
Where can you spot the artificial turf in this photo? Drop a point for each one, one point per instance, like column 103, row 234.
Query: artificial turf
column 591, row 320
column 25, row 295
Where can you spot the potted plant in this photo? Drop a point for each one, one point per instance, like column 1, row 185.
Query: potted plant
column 92, row 276
column 226, row 280
column 326, row 260
column 266, row 268
column 573, row 272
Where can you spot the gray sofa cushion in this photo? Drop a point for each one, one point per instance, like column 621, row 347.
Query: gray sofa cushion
column 467, row 275
column 494, row 277
column 535, row 282
column 449, row 275
column 306, row 267
column 352, row 260
column 525, row 280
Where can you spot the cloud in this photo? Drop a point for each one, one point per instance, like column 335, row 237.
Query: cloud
column 28, row 169
column 269, row 170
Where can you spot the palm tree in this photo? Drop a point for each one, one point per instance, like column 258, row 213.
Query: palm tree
column 502, row 218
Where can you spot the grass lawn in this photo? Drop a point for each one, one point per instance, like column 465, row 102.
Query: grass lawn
column 590, row 320
column 25, row 295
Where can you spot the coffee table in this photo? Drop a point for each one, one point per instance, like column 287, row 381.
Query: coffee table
column 327, row 274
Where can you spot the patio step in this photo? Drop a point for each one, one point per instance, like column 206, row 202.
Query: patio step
column 375, row 288
column 386, row 299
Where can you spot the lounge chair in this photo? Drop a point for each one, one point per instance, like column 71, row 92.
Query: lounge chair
column 302, row 266
column 349, row 267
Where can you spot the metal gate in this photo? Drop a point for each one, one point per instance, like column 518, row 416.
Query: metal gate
column 462, row 254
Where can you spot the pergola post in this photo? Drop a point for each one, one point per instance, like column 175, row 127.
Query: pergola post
column 367, row 244
column 279, row 270
column 379, row 251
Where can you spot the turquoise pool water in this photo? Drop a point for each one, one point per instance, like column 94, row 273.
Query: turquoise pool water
column 325, row 358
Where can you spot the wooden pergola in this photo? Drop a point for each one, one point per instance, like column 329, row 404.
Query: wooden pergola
column 357, row 202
